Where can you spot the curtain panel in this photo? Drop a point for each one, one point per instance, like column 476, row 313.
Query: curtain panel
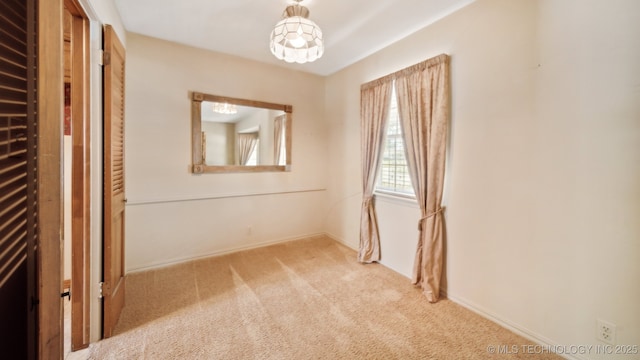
column 423, row 92
column 246, row 143
column 424, row 103
column 278, row 130
column 374, row 107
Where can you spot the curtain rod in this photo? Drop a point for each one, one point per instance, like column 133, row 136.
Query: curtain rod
column 436, row 60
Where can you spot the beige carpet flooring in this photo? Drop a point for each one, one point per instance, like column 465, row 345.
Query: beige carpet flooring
column 306, row 299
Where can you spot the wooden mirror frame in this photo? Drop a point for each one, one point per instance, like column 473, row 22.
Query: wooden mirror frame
column 199, row 167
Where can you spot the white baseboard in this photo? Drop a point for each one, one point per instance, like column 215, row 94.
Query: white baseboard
column 341, row 241
column 216, row 253
column 520, row 330
column 524, row 332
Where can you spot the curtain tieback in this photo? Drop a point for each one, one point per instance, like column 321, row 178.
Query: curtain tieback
column 367, row 202
column 424, row 218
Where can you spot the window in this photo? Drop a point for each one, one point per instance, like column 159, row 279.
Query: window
column 253, row 158
column 394, row 175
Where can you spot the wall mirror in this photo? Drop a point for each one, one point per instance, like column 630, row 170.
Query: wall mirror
column 239, row 135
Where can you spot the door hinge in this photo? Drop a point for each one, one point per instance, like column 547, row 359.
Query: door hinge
column 104, row 289
column 65, row 294
column 106, row 58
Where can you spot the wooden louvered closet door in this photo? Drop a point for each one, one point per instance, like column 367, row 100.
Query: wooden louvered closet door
column 114, row 199
column 18, row 190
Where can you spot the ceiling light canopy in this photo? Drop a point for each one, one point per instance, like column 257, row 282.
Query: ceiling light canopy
column 224, row 108
column 295, row 38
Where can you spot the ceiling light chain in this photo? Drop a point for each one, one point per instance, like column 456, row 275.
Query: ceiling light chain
column 295, row 38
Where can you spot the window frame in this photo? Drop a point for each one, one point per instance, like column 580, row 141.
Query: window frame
column 385, row 191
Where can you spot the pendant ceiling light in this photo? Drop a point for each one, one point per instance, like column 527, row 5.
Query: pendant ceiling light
column 224, row 108
column 296, row 38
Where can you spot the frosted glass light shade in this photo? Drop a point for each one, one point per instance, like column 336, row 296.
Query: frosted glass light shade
column 224, row 108
column 297, row 39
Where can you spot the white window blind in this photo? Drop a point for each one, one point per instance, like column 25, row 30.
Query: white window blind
column 394, row 173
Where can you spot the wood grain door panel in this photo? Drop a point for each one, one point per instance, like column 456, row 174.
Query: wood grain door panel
column 114, row 195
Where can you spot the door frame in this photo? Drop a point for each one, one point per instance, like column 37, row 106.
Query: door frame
column 50, row 100
column 80, row 176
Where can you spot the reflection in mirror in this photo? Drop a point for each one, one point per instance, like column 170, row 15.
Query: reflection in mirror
column 241, row 135
column 233, row 135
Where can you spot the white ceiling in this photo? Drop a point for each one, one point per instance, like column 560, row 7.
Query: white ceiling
column 353, row 29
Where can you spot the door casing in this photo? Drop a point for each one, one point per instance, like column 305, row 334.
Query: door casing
column 80, row 178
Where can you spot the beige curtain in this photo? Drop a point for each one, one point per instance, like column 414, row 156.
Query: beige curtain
column 423, row 104
column 246, row 143
column 374, row 106
column 278, row 129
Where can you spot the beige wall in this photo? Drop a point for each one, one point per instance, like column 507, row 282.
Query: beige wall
column 543, row 178
column 166, row 221
column 220, row 142
column 105, row 12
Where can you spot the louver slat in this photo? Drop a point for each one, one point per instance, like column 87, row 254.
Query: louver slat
column 13, row 139
column 18, row 208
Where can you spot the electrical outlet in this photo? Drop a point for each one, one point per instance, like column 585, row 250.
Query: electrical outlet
column 606, row 331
